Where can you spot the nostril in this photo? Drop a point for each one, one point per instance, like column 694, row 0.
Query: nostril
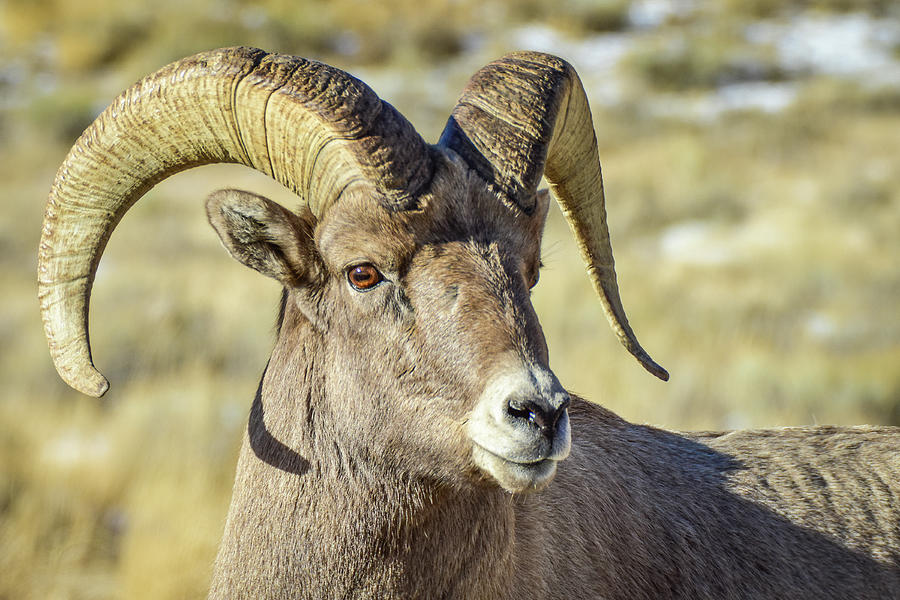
column 545, row 419
column 558, row 413
column 521, row 409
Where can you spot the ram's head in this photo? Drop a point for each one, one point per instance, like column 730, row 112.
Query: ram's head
column 406, row 271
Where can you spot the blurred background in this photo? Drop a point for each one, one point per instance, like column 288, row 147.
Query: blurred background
column 751, row 153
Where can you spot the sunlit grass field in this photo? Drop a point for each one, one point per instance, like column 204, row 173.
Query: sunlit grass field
column 758, row 250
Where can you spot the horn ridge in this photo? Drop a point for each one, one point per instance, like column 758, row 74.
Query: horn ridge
column 527, row 115
column 310, row 126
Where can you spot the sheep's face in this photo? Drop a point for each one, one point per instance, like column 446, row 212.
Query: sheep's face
column 433, row 359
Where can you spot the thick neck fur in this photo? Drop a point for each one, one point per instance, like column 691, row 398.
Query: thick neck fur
column 634, row 513
column 312, row 517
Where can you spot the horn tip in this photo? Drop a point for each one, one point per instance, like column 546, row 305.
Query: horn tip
column 653, row 367
column 89, row 382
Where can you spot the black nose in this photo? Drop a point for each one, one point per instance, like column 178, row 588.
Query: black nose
column 545, row 415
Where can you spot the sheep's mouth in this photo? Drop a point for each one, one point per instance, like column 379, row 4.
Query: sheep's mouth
column 515, row 476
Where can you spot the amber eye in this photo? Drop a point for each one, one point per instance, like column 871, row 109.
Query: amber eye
column 364, row 277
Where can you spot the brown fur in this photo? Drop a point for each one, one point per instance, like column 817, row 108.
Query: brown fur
column 356, row 477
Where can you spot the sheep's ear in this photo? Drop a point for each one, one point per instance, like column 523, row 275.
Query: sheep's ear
column 543, row 203
column 264, row 235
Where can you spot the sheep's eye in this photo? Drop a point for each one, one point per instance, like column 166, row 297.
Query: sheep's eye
column 535, row 276
column 364, row 277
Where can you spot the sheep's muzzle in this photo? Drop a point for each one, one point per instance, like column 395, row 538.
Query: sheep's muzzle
column 520, row 428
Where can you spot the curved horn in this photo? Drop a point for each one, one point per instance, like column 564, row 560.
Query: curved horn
column 311, row 127
column 526, row 115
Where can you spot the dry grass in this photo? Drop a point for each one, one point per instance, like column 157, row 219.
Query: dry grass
column 756, row 253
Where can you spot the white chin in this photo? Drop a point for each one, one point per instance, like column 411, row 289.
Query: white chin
column 512, row 476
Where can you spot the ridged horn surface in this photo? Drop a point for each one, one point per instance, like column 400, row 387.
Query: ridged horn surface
column 527, row 115
column 312, row 127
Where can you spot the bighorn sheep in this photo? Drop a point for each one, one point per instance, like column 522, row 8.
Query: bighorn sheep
column 406, row 430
